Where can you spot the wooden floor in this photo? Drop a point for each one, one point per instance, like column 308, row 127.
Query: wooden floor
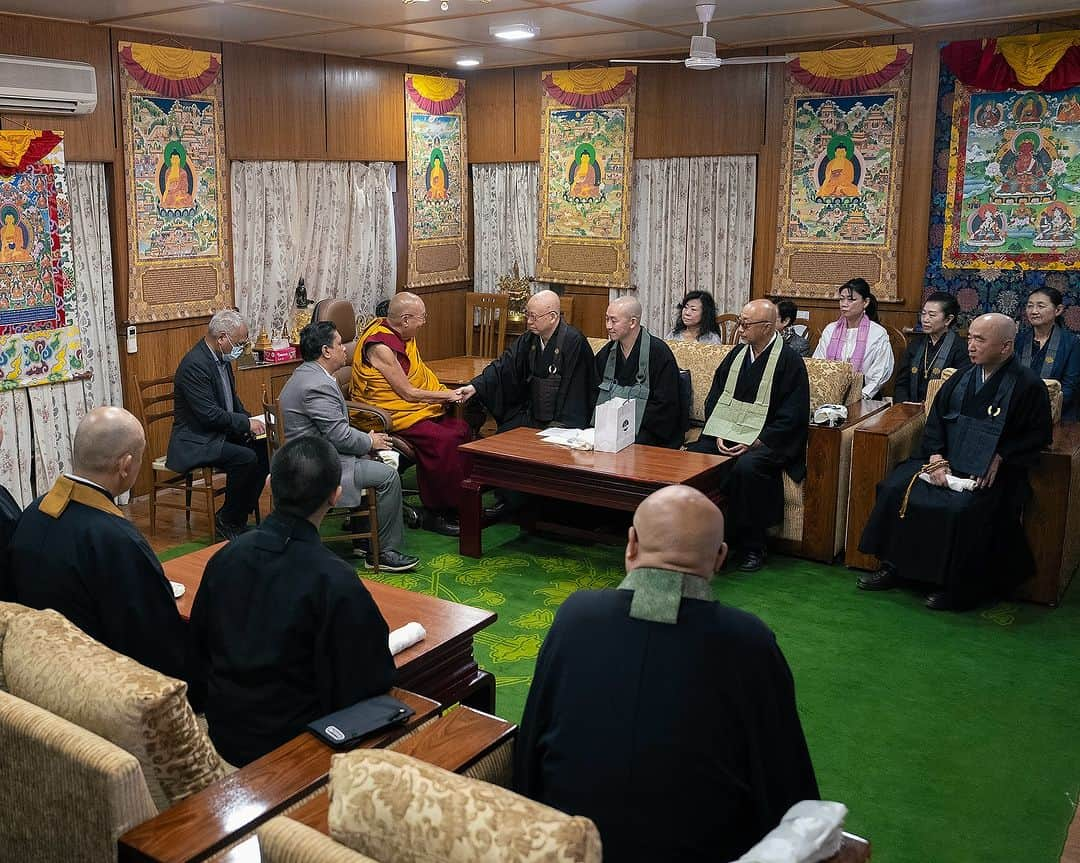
column 172, row 528
column 1071, row 853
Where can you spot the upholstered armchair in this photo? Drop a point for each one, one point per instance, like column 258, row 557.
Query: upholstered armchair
column 1051, row 518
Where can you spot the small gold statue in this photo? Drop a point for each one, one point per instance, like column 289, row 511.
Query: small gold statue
column 518, row 289
column 262, row 343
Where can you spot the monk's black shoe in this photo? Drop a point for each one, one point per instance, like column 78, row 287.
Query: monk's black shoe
column 227, row 530
column 883, row 579
column 498, row 512
column 753, row 561
column 944, row 600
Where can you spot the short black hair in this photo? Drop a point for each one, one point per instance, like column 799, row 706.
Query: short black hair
column 314, row 337
column 950, row 306
column 787, row 310
column 303, row 475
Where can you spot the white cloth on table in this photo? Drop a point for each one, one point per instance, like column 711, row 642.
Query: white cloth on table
column 810, row 831
column 406, row 636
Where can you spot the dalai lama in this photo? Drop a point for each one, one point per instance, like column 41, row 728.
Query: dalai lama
column 950, row 518
column 636, row 365
column 389, row 373
column 758, row 413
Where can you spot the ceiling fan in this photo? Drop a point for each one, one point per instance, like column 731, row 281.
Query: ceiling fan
column 444, row 5
column 703, row 48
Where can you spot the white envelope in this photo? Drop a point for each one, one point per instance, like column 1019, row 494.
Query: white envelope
column 614, row 425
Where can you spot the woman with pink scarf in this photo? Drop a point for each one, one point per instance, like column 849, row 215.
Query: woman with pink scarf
column 856, row 337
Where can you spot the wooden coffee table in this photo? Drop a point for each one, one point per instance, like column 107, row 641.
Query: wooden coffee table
column 521, row 461
column 454, row 372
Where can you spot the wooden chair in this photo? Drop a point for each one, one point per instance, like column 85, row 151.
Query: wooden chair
column 485, row 318
column 729, row 328
column 155, row 399
column 898, row 342
column 353, row 515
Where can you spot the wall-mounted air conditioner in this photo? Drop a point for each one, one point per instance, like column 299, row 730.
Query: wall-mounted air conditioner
column 31, row 85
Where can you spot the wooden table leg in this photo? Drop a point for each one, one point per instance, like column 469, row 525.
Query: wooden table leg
column 470, row 517
column 482, row 694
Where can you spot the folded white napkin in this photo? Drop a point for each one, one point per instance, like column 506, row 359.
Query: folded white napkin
column 572, row 438
column 406, row 636
column 810, row 831
column 389, row 456
column 954, row 483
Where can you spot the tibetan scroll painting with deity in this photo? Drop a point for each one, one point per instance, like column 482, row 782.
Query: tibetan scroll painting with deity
column 438, row 179
column 1014, row 180
column 844, row 132
column 40, row 339
column 586, row 150
column 174, row 152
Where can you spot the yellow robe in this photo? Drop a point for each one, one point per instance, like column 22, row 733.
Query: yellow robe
column 839, row 179
column 369, row 385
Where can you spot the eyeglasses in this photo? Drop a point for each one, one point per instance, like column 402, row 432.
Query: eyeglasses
column 530, row 317
column 745, row 325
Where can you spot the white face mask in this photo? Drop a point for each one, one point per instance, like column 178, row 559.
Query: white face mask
column 236, row 351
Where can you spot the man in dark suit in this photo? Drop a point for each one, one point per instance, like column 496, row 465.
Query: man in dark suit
column 212, row 428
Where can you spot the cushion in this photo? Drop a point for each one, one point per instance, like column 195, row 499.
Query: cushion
column 392, row 807
column 830, row 381
column 7, row 611
column 50, row 662
column 701, row 361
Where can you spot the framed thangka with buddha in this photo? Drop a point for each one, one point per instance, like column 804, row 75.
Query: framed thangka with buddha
column 845, row 119
column 177, row 195
column 1013, row 199
column 586, row 152
column 40, row 337
column 438, row 180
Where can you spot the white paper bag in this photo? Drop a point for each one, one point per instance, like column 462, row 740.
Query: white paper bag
column 614, row 425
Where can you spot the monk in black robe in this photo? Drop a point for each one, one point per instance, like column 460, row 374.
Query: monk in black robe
column 73, row 551
column 665, row 717
column 546, row 378
column 987, row 424
column 283, row 630
column 753, row 482
column 928, row 355
column 653, row 384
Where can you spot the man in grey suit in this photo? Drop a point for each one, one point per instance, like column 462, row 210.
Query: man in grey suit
column 312, row 403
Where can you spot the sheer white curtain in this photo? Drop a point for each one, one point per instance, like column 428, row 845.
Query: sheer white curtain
column 692, row 228
column 330, row 222
column 505, row 205
column 39, row 422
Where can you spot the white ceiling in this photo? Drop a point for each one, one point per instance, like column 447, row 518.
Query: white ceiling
column 570, row 30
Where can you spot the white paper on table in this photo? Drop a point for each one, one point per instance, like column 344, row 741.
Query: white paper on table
column 573, row 438
column 954, row 483
column 810, row 831
column 406, row 636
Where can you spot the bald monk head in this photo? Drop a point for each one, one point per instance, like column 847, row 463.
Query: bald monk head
column 108, row 449
column 542, row 313
column 623, row 322
column 990, row 340
column 677, row 528
column 757, row 323
column 406, row 314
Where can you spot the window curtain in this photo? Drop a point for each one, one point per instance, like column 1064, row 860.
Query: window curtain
column 331, row 223
column 691, row 228
column 39, row 422
column 506, row 202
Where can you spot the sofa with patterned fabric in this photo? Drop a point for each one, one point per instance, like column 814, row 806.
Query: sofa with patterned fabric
column 825, row 489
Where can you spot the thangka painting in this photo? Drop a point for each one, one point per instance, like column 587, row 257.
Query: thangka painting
column 845, row 119
column 438, row 180
column 174, row 154
column 586, row 151
column 40, row 340
column 1014, row 180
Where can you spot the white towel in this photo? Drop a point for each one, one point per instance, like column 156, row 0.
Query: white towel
column 954, row 483
column 406, row 636
column 810, row 831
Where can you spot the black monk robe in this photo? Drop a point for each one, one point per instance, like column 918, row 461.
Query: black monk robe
column 73, row 551
column 680, row 741
column 753, row 482
column 660, row 421
column 924, row 361
column 283, row 632
column 970, row 543
column 507, row 390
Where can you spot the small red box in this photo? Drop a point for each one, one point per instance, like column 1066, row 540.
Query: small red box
column 279, row 355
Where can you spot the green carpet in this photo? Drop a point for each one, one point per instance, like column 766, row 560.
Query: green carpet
column 948, row 736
